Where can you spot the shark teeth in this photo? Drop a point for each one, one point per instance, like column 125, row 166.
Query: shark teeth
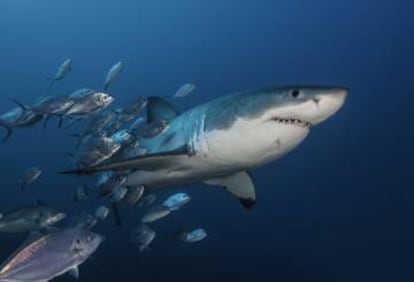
column 293, row 121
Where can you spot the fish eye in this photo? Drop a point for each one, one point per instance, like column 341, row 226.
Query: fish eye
column 78, row 241
column 295, row 93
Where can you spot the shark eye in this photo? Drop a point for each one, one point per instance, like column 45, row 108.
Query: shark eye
column 295, row 93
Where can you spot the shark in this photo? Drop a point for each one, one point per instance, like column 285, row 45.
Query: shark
column 221, row 141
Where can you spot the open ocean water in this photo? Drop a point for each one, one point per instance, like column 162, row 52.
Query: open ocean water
column 340, row 207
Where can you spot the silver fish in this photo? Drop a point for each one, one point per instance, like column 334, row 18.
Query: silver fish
column 64, row 69
column 29, row 176
column 184, row 90
column 18, row 118
column 176, row 201
column 155, row 214
column 101, row 212
column 143, row 235
column 89, row 105
column 50, row 256
column 112, row 74
column 28, row 219
column 193, row 236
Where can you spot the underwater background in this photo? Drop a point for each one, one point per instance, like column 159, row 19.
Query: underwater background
column 338, row 208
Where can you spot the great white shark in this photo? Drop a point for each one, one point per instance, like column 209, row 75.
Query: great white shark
column 219, row 142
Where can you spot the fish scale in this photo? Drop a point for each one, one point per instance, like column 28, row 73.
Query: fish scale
column 26, row 254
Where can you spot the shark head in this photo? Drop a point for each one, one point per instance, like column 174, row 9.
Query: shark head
column 258, row 127
column 295, row 106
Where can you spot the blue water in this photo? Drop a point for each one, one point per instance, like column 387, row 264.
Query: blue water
column 338, row 208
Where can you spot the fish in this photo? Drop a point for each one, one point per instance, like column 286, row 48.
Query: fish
column 184, row 90
column 193, row 236
column 81, row 193
column 50, row 256
column 134, row 194
column 90, row 104
column 122, row 137
column 147, row 200
column 155, row 214
column 95, row 150
column 82, row 221
column 29, row 176
column 101, row 212
column 48, row 106
column 220, row 141
column 29, row 219
column 176, row 201
column 112, row 74
column 115, row 181
column 118, row 194
column 131, row 111
column 137, row 125
column 64, row 69
column 143, row 236
column 18, row 118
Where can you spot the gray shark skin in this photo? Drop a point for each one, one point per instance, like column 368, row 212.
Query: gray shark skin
column 220, row 141
column 49, row 256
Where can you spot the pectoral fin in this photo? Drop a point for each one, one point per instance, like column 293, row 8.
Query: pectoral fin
column 74, row 272
column 240, row 185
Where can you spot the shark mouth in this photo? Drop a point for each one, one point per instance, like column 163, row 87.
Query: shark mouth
column 292, row 121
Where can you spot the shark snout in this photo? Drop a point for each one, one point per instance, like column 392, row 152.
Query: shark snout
column 328, row 103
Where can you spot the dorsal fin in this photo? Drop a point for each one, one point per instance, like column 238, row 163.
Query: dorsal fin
column 158, row 109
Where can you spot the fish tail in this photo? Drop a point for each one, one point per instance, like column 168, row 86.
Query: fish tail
column 9, row 132
column 115, row 211
column 20, row 105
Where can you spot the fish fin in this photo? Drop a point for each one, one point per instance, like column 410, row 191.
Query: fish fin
column 147, row 162
column 20, row 105
column 46, row 121
column 158, row 109
column 60, row 122
column 74, row 272
column 240, row 185
column 9, row 132
column 115, row 211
